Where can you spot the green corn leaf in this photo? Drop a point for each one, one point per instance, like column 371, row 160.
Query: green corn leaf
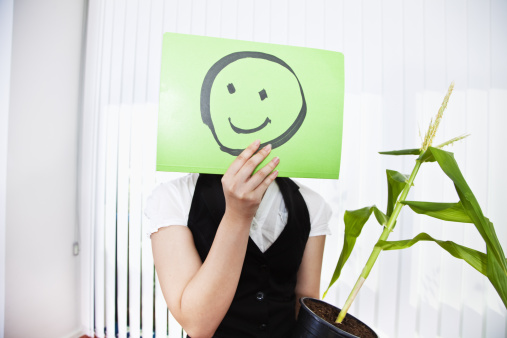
column 476, row 259
column 470, row 205
column 395, row 184
column 354, row 223
column 497, row 264
column 497, row 278
column 453, row 212
column 401, row 152
column 427, row 156
column 380, row 216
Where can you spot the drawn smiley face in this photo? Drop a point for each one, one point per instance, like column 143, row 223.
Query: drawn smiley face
column 251, row 95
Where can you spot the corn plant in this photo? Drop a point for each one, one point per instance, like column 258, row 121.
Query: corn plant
column 492, row 264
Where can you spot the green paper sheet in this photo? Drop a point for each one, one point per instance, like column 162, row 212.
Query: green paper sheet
column 219, row 95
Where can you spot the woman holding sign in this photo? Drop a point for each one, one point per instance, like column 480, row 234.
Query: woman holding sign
column 235, row 253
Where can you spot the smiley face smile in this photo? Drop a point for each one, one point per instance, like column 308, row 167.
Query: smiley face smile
column 249, row 131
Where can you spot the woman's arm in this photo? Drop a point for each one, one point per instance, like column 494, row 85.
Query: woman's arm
column 308, row 284
column 199, row 294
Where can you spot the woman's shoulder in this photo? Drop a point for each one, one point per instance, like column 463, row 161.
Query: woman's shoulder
column 185, row 182
column 169, row 202
column 318, row 208
column 312, row 198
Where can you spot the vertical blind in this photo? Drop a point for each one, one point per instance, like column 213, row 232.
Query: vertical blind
column 400, row 56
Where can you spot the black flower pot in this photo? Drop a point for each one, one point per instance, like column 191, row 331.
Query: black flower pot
column 311, row 325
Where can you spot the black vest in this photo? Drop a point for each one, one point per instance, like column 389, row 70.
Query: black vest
column 264, row 303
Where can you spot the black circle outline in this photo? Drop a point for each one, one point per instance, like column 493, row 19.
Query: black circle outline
column 206, row 93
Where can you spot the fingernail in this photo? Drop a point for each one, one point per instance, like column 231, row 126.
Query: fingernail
column 257, row 142
column 276, row 159
column 268, row 147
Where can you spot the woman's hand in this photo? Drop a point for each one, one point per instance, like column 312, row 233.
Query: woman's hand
column 243, row 191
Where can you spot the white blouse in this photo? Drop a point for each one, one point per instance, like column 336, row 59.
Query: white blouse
column 169, row 204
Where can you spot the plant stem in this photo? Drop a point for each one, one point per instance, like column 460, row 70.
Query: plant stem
column 376, row 251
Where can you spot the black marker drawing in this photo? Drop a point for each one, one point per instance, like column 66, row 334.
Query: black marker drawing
column 249, row 131
column 231, row 88
column 263, row 95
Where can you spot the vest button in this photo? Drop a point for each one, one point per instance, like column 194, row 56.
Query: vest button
column 263, row 327
column 259, row 296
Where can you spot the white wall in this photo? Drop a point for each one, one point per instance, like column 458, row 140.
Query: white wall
column 42, row 278
column 6, row 14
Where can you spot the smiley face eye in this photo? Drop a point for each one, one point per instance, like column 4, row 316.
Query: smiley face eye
column 231, row 88
column 263, row 94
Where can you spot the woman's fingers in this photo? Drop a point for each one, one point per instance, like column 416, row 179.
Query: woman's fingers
column 248, row 168
column 244, row 165
column 243, row 192
column 261, row 188
column 242, row 158
column 263, row 173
